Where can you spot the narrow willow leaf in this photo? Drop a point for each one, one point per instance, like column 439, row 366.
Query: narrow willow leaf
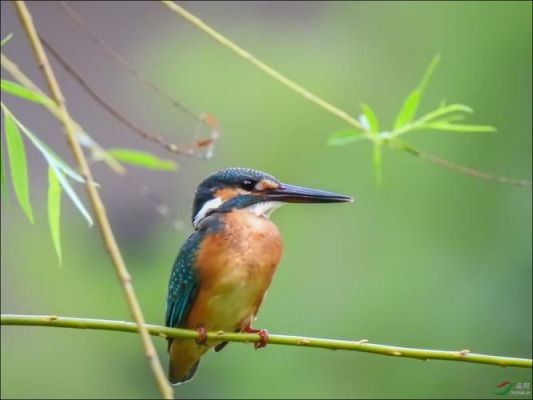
column 449, row 109
column 142, row 159
column 376, row 162
column 68, row 190
column 18, row 164
column 411, row 103
column 446, row 126
column 371, row 118
column 20, row 91
column 54, row 210
column 344, row 137
column 429, row 71
column 55, row 163
column 408, row 110
column 451, row 118
column 3, row 179
column 6, row 39
column 45, row 150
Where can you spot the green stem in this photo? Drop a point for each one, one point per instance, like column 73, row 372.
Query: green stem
column 376, row 139
column 106, row 231
column 266, row 69
column 361, row 345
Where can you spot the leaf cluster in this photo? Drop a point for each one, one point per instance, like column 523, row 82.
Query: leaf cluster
column 60, row 174
column 444, row 118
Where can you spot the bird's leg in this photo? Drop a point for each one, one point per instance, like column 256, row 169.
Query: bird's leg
column 202, row 338
column 263, row 334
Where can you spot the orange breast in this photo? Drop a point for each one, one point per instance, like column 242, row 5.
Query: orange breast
column 235, row 267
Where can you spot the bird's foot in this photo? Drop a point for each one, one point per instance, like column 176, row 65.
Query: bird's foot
column 202, row 338
column 263, row 334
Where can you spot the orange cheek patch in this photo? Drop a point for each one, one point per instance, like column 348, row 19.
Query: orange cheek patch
column 228, row 193
column 266, row 184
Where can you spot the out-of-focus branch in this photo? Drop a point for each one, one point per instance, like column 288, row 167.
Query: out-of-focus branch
column 197, row 22
column 331, row 344
column 120, row 60
column 96, row 202
column 265, row 68
column 462, row 169
column 190, row 151
column 99, row 152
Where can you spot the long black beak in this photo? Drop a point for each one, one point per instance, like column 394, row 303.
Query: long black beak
column 298, row 194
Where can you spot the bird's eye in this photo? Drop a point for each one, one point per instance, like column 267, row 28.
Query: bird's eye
column 248, row 184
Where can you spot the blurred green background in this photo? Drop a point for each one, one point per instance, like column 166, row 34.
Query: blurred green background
column 429, row 259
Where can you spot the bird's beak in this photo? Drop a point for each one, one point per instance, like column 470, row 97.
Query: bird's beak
column 297, row 194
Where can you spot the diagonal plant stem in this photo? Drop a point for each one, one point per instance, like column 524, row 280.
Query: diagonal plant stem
column 331, row 344
column 468, row 171
column 187, row 151
column 21, row 77
column 96, row 202
column 120, row 60
column 328, row 106
column 266, row 69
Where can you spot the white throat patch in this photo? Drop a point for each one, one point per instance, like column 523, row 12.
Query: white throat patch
column 208, row 206
column 264, row 209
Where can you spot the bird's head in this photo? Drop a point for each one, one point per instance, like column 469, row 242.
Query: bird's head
column 256, row 191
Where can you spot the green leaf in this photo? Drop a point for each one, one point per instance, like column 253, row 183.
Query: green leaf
column 449, row 109
column 3, row 180
column 142, row 159
column 408, row 110
column 18, row 165
column 410, row 105
column 56, row 163
column 344, row 137
column 20, row 91
column 451, row 118
column 377, row 162
column 6, row 39
column 446, row 126
column 68, row 190
column 50, row 154
column 54, row 210
column 429, row 71
column 370, row 117
column 46, row 151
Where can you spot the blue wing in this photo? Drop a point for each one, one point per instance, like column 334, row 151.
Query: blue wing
column 183, row 284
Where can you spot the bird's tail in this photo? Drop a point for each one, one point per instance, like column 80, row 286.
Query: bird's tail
column 184, row 359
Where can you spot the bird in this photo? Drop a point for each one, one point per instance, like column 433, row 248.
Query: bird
column 224, row 269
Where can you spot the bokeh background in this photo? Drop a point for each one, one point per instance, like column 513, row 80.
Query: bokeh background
column 429, row 259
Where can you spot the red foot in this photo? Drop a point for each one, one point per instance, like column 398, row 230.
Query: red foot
column 263, row 334
column 203, row 335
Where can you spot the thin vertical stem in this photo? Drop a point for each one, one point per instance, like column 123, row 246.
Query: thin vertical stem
column 96, row 202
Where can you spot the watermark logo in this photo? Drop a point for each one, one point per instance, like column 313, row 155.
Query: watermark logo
column 515, row 389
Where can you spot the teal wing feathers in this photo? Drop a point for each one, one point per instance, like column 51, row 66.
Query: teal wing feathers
column 183, row 284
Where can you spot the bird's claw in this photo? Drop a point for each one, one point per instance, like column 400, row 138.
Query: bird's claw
column 263, row 334
column 202, row 335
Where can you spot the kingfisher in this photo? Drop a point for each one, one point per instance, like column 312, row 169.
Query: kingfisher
column 224, row 269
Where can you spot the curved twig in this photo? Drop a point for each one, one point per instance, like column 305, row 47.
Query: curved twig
column 190, row 150
column 127, row 66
